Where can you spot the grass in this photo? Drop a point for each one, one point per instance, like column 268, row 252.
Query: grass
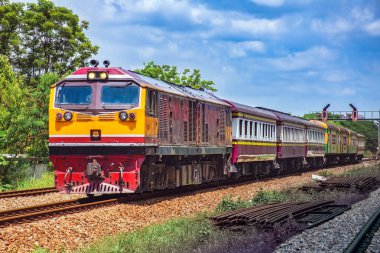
column 46, row 180
column 373, row 171
column 177, row 235
column 326, row 173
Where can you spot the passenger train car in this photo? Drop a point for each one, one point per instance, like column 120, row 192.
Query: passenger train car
column 116, row 131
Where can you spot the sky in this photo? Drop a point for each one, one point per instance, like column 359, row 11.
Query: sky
column 290, row 55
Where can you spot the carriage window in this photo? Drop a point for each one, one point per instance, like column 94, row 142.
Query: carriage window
column 250, row 129
column 79, row 95
column 240, row 128
column 245, row 128
column 255, row 130
column 123, row 94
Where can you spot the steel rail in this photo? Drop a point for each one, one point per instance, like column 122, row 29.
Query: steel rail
column 363, row 239
column 29, row 192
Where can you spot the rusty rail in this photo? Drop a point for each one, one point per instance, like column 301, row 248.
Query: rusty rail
column 362, row 184
column 29, row 192
column 307, row 214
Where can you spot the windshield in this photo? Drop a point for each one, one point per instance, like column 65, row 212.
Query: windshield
column 80, row 95
column 127, row 94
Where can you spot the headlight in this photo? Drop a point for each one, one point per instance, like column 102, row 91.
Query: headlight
column 68, row 116
column 58, row 116
column 91, row 75
column 132, row 115
column 123, row 116
column 97, row 76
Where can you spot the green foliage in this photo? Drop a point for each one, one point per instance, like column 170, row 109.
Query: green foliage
column 228, row 204
column 177, row 235
column 46, row 180
column 326, row 173
column 266, row 197
column 170, row 74
column 42, row 37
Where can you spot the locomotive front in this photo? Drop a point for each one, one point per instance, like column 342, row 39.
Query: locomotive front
column 97, row 131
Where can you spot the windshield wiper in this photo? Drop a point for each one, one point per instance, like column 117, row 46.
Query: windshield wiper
column 120, row 86
column 107, row 107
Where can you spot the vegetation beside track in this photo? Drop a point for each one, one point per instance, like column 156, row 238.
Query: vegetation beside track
column 46, row 180
column 196, row 234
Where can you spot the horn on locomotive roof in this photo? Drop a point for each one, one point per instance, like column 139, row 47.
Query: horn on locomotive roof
column 94, row 63
column 106, row 63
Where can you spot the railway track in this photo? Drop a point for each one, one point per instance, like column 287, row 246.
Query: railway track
column 21, row 215
column 25, row 193
column 306, row 214
column 363, row 239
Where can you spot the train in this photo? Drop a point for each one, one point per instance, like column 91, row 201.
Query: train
column 112, row 130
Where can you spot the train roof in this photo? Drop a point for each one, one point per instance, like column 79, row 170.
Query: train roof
column 332, row 126
column 120, row 74
column 314, row 124
column 286, row 117
column 237, row 107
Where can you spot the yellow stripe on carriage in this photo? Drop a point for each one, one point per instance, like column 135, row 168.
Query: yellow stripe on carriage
column 251, row 143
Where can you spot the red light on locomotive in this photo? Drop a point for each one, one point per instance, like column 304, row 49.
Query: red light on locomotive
column 59, row 116
column 132, row 116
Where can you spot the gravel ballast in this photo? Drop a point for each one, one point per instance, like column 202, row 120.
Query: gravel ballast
column 71, row 231
column 374, row 247
column 337, row 234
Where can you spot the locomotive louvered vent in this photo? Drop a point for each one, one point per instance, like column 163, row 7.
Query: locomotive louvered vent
column 163, row 118
column 204, row 123
column 206, row 130
column 184, row 131
column 107, row 116
column 171, row 127
column 83, row 117
column 222, row 124
column 192, row 118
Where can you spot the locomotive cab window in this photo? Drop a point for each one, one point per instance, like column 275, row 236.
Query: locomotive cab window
column 120, row 94
column 74, row 95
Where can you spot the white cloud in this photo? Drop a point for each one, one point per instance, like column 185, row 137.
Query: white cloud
column 373, row 28
column 314, row 57
column 271, row 3
column 258, row 26
column 339, row 25
column 362, row 14
column 241, row 49
column 346, row 92
column 336, row 76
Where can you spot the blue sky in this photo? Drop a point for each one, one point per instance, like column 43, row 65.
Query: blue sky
column 290, row 55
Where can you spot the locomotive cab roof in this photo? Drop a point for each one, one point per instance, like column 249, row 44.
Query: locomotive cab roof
column 120, row 74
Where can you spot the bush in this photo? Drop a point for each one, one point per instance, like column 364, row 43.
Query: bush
column 47, row 180
column 266, row 197
column 228, row 204
column 326, row 173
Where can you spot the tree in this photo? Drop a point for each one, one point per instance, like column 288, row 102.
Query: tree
column 41, row 37
column 170, row 74
column 13, row 131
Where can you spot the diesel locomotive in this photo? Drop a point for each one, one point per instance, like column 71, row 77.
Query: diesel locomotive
column 113, row 130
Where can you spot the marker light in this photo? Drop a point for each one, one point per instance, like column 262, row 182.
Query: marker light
column 132, row 116
column 58, row 116
column 123, row 116
column 97, row 75
column 68, row 116
column 91, row 75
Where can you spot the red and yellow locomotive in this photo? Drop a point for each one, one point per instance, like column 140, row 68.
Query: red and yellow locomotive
column 116, row 131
